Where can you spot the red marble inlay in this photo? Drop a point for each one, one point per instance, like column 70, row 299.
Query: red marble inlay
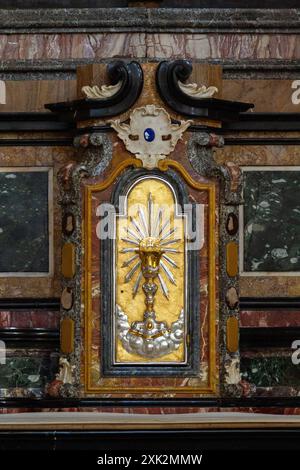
column 29, row 319
column 270, row 318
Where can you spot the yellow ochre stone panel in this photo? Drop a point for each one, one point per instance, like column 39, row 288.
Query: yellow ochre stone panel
column 67, row 336
column 232, row 337
column 68, row 260
column 232, row 258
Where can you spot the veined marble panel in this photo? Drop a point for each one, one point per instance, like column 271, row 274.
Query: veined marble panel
column 229, row 46
column 269, row 318
column 25, row 221
column 71, row 46
column 160, row 45
column 26, row 372
column 267, row 371
column 267, row 95
column 29, row 319
column 271, row 220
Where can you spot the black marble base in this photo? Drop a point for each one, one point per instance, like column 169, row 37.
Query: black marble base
column 193, row 441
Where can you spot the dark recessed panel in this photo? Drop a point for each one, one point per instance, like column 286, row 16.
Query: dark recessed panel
column 272, row 221
column 229, row 4
column 63, row 3
column 160, row 3
column 24, row 221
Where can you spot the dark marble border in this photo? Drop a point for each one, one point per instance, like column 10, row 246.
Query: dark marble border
column 33, row 121
column 186, row 4
column 267, row 303
column 162, row 440
column 267, row 402
column 188, row 20
column 30, row 303
column 258, row 338
column 36, row 142
column 65, row 69
column 30, row 336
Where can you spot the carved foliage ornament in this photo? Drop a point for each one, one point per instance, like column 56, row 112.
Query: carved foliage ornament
column 151, row 136
column 197, row 91
column 105, row 91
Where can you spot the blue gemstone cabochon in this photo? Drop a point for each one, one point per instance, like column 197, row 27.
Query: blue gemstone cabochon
column 149, row 134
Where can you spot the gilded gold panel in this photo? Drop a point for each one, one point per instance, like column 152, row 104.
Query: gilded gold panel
column 133, row 229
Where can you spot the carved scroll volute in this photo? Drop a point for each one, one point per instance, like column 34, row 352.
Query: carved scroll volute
column 125, row 83
column 192, row 99
column 201, row 157
column 168, row 75
column 119, row 76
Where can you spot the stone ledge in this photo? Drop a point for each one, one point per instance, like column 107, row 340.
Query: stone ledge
column 118, row 421
column 167, row 20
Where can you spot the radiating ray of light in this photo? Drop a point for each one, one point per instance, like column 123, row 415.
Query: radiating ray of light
column 169, row 260
column 165, row 224
column 128, row 240
column 163, row 286
column 168, row 234
column 129, row 261
column 170, row 242
column 157, row 222
column 133, row 234
column 150, row 206
column 171, row 250
column 137, row 227
column 129, row 250
column 130, row 273
column 137, row 284
column 142, row 218
column 168, row 272
column 150, row 224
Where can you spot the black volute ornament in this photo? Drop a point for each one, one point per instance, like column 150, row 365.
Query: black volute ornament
column 130, row 77
column 169, row 77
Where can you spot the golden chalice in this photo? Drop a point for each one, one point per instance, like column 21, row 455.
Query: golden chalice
column 150, row 253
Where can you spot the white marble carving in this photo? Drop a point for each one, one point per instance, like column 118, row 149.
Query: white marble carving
column 105, row 91
column 150, row 135
column 65, row 371
column 232, row 372
column 197, row 91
